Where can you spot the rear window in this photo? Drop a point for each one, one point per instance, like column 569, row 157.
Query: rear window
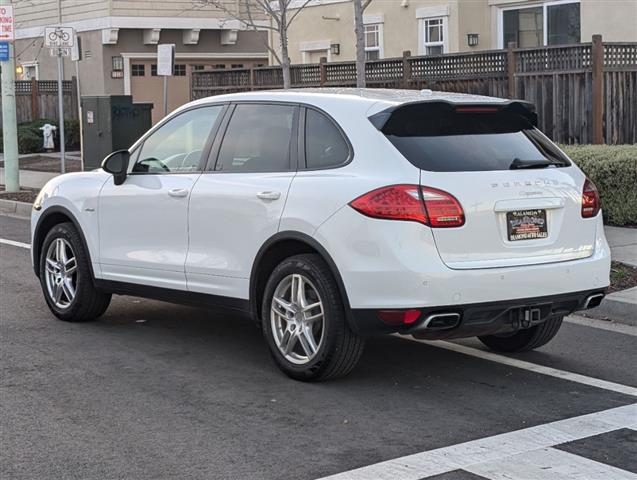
column 446, row 138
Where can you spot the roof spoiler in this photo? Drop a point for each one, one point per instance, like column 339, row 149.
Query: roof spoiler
column 516, row 107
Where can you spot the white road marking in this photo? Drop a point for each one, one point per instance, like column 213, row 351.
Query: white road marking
column 603, row 325
column 549, row 464
column 532, row 367
column 13, row 243
column 497, row 448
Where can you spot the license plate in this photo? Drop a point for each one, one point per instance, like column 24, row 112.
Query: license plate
column 526, row 225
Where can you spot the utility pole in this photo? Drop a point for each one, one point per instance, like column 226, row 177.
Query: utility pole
column 9, row 119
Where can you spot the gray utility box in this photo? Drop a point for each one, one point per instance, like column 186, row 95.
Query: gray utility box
column 111, row 123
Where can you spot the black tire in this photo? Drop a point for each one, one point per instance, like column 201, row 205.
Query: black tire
column 88, row 303
column 523, row 340
column 340, row 348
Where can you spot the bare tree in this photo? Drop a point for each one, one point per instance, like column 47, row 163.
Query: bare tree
column 252, row 15
column 359, row 30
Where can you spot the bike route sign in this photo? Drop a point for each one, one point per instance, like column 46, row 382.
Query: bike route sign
column 59, row 37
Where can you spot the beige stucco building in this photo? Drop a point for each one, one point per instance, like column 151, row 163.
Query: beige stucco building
column 119, row 42
column 325, row 27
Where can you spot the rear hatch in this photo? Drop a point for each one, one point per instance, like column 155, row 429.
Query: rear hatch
column 521, row 196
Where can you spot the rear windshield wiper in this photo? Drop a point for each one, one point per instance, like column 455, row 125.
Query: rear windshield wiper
column 518, row 164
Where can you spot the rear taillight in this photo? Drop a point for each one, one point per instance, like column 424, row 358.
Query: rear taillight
column 426, row 205
column 590, row 200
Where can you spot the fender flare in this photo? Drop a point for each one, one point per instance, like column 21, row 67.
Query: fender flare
column 38, row 236
column 313, row 243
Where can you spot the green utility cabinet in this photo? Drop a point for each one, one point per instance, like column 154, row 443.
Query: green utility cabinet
column 111, row 123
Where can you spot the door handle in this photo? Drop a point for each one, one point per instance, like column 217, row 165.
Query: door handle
column 178, row 192
column 269, row 195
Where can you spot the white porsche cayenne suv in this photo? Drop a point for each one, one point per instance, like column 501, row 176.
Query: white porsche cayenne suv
column 330, row 215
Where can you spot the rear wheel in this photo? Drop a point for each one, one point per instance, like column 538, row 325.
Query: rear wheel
column 304, row 324
column 523, row 340
column 66, row 279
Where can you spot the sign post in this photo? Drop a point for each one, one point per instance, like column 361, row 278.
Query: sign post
column 165, row 62
column 9, row 120
column 60, row 40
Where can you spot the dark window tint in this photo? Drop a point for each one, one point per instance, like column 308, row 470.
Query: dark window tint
column 179, row 70
column 153, row 70
column 258, row 139
column 438, row 138
column 324, row 143
column 178, row 144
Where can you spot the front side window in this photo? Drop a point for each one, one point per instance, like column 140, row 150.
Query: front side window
column 434, row 36
column 258, row 139
column 373, row 41
column 177, row 146
column 324, row 144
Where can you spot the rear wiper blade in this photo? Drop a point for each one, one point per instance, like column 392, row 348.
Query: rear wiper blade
column 520, row 164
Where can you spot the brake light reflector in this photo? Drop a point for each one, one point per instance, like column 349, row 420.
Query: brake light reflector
column 396, row 202
column 399, row 317
column 425, row 205
column 442, row 208
column 590, row 200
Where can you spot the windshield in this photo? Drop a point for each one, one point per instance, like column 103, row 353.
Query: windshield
column 443, row 138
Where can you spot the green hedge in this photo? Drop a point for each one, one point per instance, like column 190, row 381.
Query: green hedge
column 613, row 168
column 30, row 136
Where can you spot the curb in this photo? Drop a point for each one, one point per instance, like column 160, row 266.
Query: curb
column 13, row 207
column 615, row 308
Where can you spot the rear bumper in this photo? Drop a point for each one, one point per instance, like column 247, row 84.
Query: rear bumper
column 480, row 318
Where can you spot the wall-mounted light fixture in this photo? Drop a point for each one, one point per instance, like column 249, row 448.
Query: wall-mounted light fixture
column 19, row 69
column 473, row 39
column 117, row 64
column 335, row 48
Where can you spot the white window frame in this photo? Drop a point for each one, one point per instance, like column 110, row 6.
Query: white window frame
column 545, row 18
column 380, row 48
column 423, row 44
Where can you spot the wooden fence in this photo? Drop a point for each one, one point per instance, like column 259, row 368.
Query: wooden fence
column 39, row 99
column 584, row 93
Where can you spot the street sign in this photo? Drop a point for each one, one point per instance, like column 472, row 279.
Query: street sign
column 63, row 52
column 165, row 59
column 6, row 23
column 59, row 37
column 4, row 51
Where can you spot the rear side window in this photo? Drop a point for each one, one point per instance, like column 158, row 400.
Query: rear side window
column 258, row 139
column 444, row 138
column 325, row 146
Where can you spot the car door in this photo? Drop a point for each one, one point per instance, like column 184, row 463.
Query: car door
column 237, row 205
column 143, row 223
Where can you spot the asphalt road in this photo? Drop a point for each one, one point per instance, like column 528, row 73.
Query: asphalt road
column 153, row 390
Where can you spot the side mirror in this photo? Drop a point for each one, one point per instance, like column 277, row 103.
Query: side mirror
column 117, row 164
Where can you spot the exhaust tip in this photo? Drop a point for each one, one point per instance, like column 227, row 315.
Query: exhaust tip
column 593, row 301
column 438, row 321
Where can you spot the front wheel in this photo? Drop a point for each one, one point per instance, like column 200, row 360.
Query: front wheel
column 303, row 321
column 66, row 279
column 523, row 340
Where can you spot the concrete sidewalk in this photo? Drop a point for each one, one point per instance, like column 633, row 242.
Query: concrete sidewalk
column 30, row 178
column 623, row 244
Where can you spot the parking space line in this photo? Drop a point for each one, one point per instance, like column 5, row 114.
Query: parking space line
column 549, row 464
column 496, row 448
column 532, row 367
column 13, row 243
column 602, row 325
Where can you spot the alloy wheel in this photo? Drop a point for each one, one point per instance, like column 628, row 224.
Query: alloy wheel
column 297, row 319
column 61, row 273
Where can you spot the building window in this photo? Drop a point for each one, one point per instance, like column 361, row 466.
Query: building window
column 153, row 70
column 138, row 69
column 197, row 68
column 179, row 70
column 551, row 23
column 373, row 41
column 237, row 65
column 434, row 36
column 219, row 66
